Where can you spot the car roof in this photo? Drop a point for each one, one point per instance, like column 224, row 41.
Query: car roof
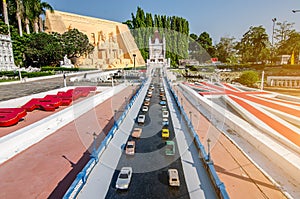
column 173, row 172
column 169, row 142
column 131, row 142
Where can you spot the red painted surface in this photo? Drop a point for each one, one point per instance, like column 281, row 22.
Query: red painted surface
column 11, row 116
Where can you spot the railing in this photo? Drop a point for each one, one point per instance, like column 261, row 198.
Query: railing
column 82, row 176
column 209, row 166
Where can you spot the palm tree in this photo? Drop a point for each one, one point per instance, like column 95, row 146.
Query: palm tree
column 5, row 13
column 39, row 8
column 18, row 16
column 27, row 14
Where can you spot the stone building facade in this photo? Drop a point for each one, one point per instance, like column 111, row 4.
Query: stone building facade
column 6, row 55
column 114, row 45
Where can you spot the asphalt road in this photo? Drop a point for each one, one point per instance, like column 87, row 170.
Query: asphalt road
column 11, row 91
column 150, row 164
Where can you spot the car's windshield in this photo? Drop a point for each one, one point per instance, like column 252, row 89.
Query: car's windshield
column 124, row 175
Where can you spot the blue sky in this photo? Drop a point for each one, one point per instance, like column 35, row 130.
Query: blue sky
column 217, row 17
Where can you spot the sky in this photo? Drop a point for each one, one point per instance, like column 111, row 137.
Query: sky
column 219, row 18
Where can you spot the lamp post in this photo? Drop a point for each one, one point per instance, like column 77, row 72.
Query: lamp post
column 134, row 61
column 294, row 11
column 208, row 149
column 272, row 53
column 274, row 20
column 115, row 118
column 190, row 116
column 94, row 145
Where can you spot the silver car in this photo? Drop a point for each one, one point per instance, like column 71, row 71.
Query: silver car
column 141, row 119
column 124, row 178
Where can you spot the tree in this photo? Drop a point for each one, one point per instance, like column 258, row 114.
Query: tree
column 43, row 49
column 175, row 29
column 290, row 45
column 20, row 9
column 225, row 49
column 200, row 47
column 76, row 44
column 253, row 43
column 3, row 28
column 283, row 30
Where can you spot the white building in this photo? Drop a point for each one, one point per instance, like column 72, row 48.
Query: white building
column 157, row 51
column 6, row 55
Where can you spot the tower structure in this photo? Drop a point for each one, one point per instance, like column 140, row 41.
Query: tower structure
column 6, row 56
column 157, row 51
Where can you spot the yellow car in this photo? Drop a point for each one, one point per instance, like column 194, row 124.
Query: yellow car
column 165, row 133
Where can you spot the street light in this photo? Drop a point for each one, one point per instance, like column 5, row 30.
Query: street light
column 94, row 145
column 274, row 20
column 208, row 149
column 190, row 116
column 115, row 118
column 134, row 60
column 294, row 11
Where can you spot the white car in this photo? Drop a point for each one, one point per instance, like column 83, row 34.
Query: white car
column 141, row 119
column 173, row 177
column 145, row 108
column 147, row 99
column 130, row 148
column 124, row 178
column 165, row 114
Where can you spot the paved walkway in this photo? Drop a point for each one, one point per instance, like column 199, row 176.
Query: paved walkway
column 240, row 176
column 11, row 91
column 47, row 169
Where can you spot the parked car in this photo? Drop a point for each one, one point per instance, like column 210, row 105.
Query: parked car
column 173, row 177
column 141, row 119
column 170, row 148
column 165, row 133
column 124, row 178
column 163, row 98
column 136, row 133
column 130, row 148
column 165, row 114
column 149, row 95
column 145, row 108
column 165, row 122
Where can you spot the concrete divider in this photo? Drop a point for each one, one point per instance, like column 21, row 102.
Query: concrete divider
column 81, row 178
column 218, row 184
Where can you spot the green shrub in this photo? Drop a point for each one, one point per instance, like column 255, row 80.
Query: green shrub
column 248, row 78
